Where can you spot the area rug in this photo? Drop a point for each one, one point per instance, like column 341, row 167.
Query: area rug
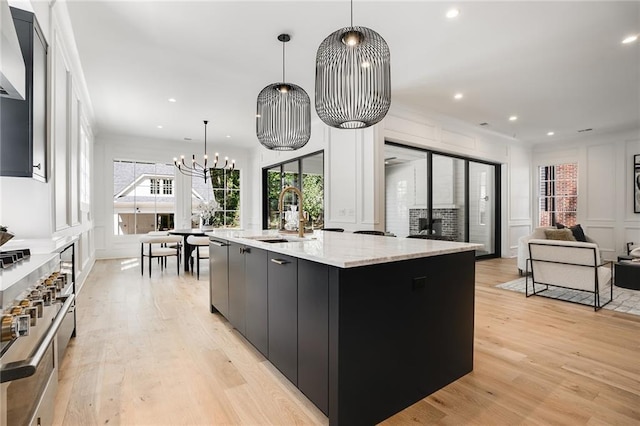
column 624, row 300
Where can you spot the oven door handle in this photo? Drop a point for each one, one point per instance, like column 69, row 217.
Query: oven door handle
column 27, row 367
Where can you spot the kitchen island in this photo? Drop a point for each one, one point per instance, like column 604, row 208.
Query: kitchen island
column 363, row 325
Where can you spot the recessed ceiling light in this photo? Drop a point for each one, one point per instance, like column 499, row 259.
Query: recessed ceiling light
column 159, row 126
column 550, row 133
column 228, row 136
column 452, row 13
column 172, row 100
column 630, row 39
column 258, row 116
column 513, row 118
column 458, row 96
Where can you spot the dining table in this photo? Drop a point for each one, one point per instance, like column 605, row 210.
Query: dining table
column 188, row 248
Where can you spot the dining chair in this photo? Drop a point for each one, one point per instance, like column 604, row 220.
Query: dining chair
column 160, row 246
column 201, row 252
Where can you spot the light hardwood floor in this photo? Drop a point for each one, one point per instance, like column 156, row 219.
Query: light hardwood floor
column 148, row 352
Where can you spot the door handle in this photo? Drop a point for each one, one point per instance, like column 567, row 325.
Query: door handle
column 280, row 261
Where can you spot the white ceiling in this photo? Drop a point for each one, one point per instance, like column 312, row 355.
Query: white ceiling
column 558, row 66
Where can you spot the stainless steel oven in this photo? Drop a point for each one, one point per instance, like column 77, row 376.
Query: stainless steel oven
column 35, row 311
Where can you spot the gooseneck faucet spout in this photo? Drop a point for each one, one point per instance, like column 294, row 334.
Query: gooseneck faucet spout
column 301, row 220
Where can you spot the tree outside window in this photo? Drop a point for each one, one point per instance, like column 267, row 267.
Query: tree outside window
column 223, row 188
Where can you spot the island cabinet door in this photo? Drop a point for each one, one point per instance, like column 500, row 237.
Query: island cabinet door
column 219, row 276
column 237, row 293
column 313, row 332
column 257, row 330
column 282, row 277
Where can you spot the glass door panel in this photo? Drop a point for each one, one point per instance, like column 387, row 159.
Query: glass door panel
column 407, row 191
column 481, row 206
column 449, row 198
column 313, row 190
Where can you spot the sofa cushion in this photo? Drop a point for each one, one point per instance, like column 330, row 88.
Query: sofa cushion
column 578, row 232
column 564, row 234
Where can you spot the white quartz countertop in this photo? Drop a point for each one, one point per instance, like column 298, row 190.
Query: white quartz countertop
column 23, row 269
column 345, row 249
column 40, row 245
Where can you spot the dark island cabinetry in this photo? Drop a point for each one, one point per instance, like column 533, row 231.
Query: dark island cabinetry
column 313, row 332
column 361, row 342
column 219, row 276
column 257, row 330
column 282, row 279
column 23, row 123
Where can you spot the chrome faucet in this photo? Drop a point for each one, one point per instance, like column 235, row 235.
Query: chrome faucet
column 301, row 220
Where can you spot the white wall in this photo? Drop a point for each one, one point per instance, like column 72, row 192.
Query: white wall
column 605, row 185
column 36, row 210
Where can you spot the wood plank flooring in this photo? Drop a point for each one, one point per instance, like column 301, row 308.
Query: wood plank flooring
column 148, row 352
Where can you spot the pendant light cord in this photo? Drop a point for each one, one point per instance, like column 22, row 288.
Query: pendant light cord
column 205, row 136
column 351, row 13
column 283, row 79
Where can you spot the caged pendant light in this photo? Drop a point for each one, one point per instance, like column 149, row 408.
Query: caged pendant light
column 283, row 114
column 353, row 78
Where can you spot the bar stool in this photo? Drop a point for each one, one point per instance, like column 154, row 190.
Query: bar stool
column 201, row 252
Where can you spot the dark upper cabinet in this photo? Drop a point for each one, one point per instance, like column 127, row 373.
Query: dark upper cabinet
column 23, row 123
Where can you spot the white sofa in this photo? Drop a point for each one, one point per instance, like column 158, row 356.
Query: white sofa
column 523, row 246
column 569, row 264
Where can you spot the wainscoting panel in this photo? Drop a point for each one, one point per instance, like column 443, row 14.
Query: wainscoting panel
column 343, row 179
column 517, row 231
column 601, row 201
column 412, row 128
column 458, row 139
column 605, row 237
column 631, row 235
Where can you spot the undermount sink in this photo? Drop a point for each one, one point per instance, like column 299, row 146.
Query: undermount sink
column 279, row 238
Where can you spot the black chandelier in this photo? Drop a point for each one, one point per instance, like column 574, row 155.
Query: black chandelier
column 353, row 78
column 202, row 170
column 283, row 113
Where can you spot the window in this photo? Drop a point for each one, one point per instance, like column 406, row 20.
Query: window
column 277, row 177
column 154, row 186
column 139, row 206
column 558, row 194
column 223, row 191
column 167, row 186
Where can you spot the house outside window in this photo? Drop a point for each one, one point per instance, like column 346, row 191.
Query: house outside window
column 143, row 199
column 558, row 194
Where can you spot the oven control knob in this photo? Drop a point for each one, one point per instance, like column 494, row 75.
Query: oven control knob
column 32, row 312
column 15, row 310
column 39, row 305
column 9, row 328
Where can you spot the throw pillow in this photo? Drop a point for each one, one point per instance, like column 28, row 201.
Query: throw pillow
column 560, row 226
column 559, row 234
column 578, row 233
